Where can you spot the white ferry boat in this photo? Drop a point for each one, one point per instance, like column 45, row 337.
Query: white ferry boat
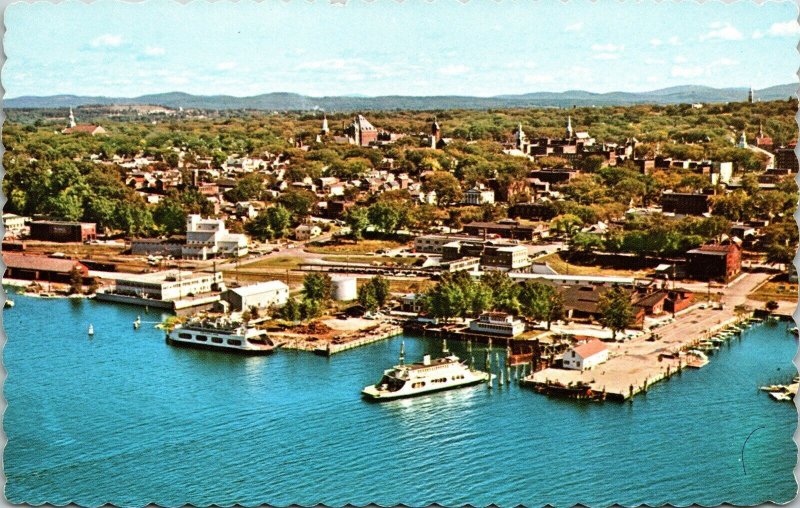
column 221, row 335
column 429, row 375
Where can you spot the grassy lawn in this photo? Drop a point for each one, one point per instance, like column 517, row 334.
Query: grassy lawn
column 565, row 268
column 383, row 260
column 280, row 262
column 779, row 291
column 350, row 248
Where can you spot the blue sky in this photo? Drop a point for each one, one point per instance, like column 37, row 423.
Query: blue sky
column 384, row 47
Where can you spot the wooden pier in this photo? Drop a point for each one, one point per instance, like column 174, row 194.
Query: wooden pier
column 330, row 348
column 631, row 370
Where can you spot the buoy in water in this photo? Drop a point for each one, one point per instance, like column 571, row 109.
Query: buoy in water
column 91, row 330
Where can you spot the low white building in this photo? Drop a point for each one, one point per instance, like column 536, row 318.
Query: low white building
column 210, row 238
column 14, row 224
column 497, row 323
column 585, row 356
column 262, row 295
column 168, row 285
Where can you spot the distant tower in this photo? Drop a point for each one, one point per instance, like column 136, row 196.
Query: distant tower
column 569, row 127
column 325, row 129
column 742, row 141
column 751, row 95
column 71, row 119
column 436, row 133
column 519, row 137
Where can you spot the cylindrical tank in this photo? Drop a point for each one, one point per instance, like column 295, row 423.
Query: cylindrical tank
column 344, row 289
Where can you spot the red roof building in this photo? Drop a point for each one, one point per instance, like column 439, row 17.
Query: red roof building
column 92, row 130
column 41, row 268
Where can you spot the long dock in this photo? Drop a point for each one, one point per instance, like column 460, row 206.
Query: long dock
column 331, row 349
column 633, row 367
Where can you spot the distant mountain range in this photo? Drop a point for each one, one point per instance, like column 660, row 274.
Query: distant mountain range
column 296, row 102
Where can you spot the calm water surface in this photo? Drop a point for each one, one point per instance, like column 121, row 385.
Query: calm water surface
column 124, row 418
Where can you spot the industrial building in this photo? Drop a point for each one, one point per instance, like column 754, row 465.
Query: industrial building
column 262, row 295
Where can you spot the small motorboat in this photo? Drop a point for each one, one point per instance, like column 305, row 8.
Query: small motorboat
column 91, row 330
column 8, row 303
column 137, row 323
column 794, row 331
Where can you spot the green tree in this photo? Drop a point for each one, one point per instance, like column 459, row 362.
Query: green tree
column 170, row 216
column 317, row 287
column 616, row 309
column 357, row 218
column 75, row 281
column 299, row 202
column 279, row 219
column 505, row 292
column 388, row 216
column 541, row 302
column 290, row 311
column 446, row 186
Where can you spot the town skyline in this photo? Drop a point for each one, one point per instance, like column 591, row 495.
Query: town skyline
column 119, row 50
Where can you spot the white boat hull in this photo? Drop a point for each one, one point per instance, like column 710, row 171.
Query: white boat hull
column 372, row 392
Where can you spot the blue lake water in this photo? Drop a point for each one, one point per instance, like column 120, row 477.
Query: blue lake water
column 124, row 418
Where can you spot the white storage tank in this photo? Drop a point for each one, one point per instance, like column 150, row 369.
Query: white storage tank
column 345, row 289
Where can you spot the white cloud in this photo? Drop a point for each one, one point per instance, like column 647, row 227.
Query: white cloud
column 154, row 51
column 687, row 71
column 758, row 34
column 723, row 32
column 680, row 59
column 538, row 78
column 607, row 48
column 606, row 56
column 654, row 61
column 454, row 70
column 724, row 62
column 330, row 64
column 674, row 40
column 574, row 27
column 656, row 42
column 226, row 66
column 786, row 29
column 107, row 40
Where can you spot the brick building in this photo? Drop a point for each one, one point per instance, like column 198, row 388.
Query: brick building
column 714, row 262
column 684, row 203
column 61, row 231
column 785, row 158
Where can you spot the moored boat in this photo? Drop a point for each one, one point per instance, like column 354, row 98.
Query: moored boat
column 696, row 359
column 429, row 375
column 221, row 334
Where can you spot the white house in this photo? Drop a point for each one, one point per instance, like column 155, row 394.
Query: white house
column 479, row 196
column 586, row 355
column 307, row 231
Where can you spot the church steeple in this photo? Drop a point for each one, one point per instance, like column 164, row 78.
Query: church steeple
column 751, row 95
column 71, row 118
column 519, row 137
column 742, row 140
column 325, row 129
column 569, row 127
